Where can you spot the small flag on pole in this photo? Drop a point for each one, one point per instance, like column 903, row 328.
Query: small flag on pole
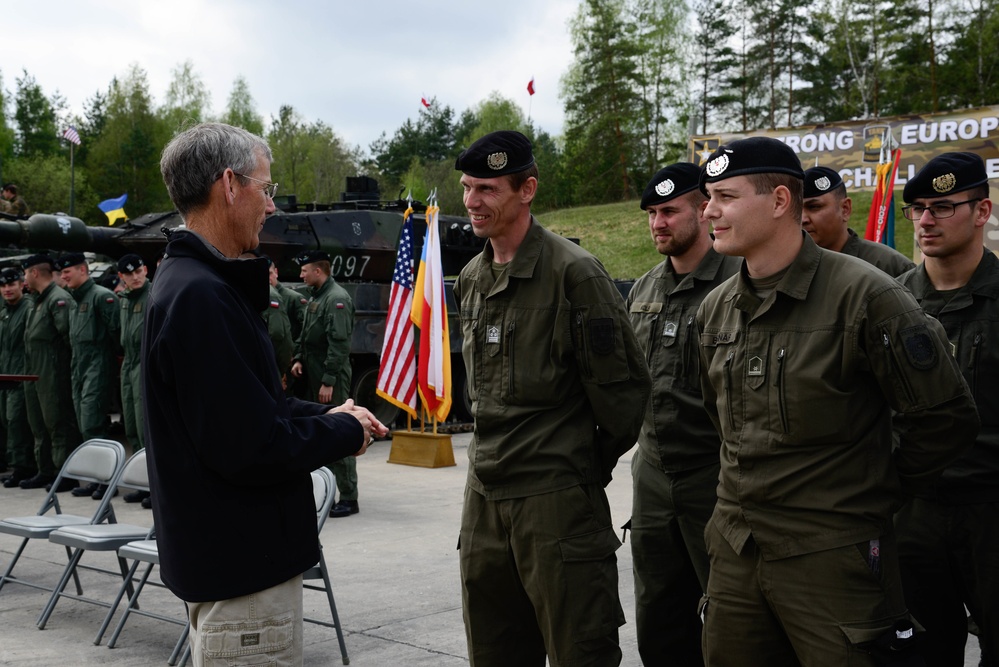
column 530, row 86
column 424, row 101
column 70, row 134
column 430, row 315
column 881, row 218
column 114, row 208
column 397, row 370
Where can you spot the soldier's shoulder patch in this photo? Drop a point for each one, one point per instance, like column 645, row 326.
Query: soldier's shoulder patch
column 60, row 303
column 109, row 299
column 340, row 305
column 602, row 335
column 919, row 347
column 303, row 300
column 275, row 304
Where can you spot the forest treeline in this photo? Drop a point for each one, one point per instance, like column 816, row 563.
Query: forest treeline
column 645, row 75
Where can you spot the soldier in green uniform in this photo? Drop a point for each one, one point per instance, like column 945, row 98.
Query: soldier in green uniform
column 47, row 352
column 322, row 358
column 826, row 214
column 294, row 303
column 805, row 354
column 278, row 315
column 949, row 533
column 94, row 325
column 15, row 202
column 13, row 419
column 133, row 274
column 675, row 471
column 559, row 388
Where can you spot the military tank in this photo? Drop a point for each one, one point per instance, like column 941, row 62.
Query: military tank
column 360, row 233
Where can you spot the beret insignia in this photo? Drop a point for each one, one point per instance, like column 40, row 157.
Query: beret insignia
column 822, row 183
column 496, row 161
column 944, row 183
column 665, row 187
column 717, row 166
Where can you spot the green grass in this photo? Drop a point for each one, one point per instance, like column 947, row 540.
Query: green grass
column 618, row 234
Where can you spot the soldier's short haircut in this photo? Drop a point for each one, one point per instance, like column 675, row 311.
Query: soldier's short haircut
column 519, row 178
column 11, row 188
column 197, row 157
column 767, row 182
column 324, row 266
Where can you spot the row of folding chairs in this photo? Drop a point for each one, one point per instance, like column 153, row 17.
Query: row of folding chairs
column 104, row 462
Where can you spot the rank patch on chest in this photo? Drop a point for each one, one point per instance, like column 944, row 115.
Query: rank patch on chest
column 492, row 334
column 84, row 307
column 670, row 330
column 755, row 367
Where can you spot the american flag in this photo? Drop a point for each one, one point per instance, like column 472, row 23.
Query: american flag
column 70, row 134
column 397, row 374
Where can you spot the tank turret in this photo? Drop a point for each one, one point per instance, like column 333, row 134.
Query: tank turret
column 360, row 233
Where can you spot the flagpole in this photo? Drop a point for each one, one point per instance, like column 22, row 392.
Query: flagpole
column 72, row 180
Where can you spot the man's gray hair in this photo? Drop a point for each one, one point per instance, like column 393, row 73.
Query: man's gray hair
column 197, row 157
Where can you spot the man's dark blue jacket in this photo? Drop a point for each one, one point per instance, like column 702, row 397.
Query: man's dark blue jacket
column 229, row 455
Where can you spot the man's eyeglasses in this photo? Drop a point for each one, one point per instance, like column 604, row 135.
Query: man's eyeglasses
column 270, row 189
column 937, row 211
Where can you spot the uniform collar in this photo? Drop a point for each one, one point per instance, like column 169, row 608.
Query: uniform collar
column 795, row 283
column 522, row 265
column 984, row 282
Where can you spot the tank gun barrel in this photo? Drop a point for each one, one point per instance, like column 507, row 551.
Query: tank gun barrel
column 60, row 232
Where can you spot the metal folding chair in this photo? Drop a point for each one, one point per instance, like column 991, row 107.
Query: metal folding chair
column 324, row 489
column 99, row 537
column 98, row 461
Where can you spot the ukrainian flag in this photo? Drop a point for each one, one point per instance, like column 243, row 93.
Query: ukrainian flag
column 114, row 208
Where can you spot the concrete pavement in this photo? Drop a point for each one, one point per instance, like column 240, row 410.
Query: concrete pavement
column 394, row 568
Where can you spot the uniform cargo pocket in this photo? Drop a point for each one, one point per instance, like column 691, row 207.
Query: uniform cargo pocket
column 891, row 642
column 250, row 640
column 590, row 569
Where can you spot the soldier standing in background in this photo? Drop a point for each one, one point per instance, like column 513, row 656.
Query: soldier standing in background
column 47, row 353
column 132, row 272
column 94, row 324
column 20, row 443
column 293, row 302
column 949, row 533
column 322, row 357
column 15, row 203
column 826, row 216
column 675, row 471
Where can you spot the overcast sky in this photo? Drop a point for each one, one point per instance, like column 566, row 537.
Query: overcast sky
column 361, row 66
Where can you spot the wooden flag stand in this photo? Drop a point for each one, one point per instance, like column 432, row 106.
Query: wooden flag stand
column 420, row 448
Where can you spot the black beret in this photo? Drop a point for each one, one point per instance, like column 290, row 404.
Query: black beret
column 129, row 263
column 496, row 154
column 70, row 259
column 821, row 180
column 945, row 175
column 310, row 256
column 35, row 260
column 9, row 275
column 671, row 182
column 755, row 155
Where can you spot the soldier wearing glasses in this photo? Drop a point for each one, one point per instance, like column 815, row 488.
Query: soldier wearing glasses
column 949, row 533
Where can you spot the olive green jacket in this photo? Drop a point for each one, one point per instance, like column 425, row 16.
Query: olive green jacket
column 556, row 377
column 12, row 323
column 324, row 346
column 132, row 316
column 46, row 337
column 801, row 387
column 94, row 325
column 294, row 304
column 279, row 331
column 677, row 433
column 887, row 259
column 971, row 319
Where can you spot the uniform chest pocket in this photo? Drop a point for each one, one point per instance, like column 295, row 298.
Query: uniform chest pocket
column 534, row 349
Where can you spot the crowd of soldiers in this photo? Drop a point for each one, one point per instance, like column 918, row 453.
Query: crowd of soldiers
column 65, row 331
column 58, row 324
